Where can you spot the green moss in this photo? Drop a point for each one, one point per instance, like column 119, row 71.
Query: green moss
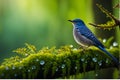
column 53, row 63
column 54, row 68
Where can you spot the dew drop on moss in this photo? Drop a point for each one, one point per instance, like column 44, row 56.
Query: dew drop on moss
column 7, row 68
column 75, row 67
column 63, row 66
column 42, row 62
column 13, row 67
column 104, row 40
column 71, row 46
column 115, row 44
column 75, row 49
column 33, row 67
column 28, row 70
column 111, row 47
column 82, row 59
column 107, row 60
column 56, row 69
column 20, row 61
column 37, row 60
column 96, row 74
column 20, row 67
column 100, row 63
column 26, row 54
column 94, row 59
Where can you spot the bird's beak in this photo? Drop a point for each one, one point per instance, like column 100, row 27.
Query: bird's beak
column 71, row 21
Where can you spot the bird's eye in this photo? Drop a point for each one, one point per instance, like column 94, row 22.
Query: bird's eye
column 76, row 28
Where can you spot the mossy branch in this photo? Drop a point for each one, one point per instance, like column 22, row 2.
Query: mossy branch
column 110, row 24
column 54, row 63
column 117, row 5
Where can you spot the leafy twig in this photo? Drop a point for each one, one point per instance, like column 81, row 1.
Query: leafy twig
column 110, row 24
column 117, row 5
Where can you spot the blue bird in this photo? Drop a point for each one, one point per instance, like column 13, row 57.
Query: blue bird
column 84, row 37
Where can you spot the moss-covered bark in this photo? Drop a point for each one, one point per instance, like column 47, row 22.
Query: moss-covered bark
column 54, row 63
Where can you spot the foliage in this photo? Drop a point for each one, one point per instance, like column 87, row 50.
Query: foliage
column 29, row 49
column 11, row 60
column 110, row 24
column 59, row 62
column 117, row 5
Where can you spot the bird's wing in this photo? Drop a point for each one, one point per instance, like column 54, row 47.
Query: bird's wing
column 89, row 35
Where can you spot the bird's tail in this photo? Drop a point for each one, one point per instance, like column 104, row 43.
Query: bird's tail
column 113, row 58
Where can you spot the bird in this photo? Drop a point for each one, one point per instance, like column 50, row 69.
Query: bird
column 84, row 37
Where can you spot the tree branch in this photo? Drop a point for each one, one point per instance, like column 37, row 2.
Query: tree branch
column 54, row 63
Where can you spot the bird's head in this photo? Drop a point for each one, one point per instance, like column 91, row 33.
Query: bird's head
column 77, row 22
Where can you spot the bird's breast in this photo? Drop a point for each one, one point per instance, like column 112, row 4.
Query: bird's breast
column 80, row 39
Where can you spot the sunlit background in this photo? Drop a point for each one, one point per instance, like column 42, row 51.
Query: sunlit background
column 39, row 22
column 44, row 22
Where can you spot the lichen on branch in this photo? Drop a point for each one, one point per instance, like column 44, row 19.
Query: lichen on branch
column 109, row 24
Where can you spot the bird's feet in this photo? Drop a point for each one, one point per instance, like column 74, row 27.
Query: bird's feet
column 84, row 49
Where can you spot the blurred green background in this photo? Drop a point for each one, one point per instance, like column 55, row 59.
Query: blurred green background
column 44, row 22
column 39, row 22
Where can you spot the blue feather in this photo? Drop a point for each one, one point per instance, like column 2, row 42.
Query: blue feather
column 89, row 35
column 113, row 58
